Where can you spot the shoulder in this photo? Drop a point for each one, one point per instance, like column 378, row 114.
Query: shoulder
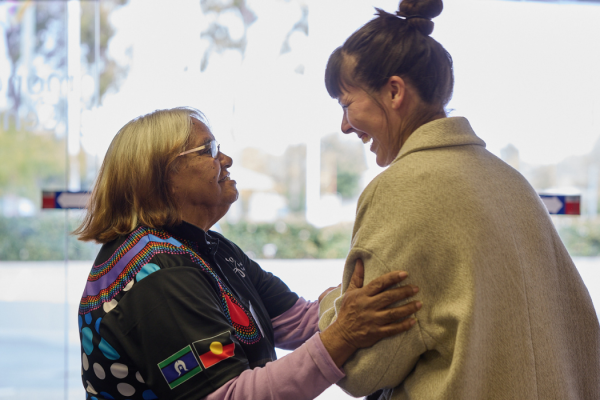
column 127, row 260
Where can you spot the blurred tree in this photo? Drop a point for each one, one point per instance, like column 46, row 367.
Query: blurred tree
column 581, row 236
column 42, row 238
column 50, row 38
column 289, row 239
column 348, row 161
column 112, row 74
column 30, row 161
column 218, row 34
column 220, row 37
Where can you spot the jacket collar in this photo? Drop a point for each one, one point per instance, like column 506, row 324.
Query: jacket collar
column 205, row 242
column 443, row 132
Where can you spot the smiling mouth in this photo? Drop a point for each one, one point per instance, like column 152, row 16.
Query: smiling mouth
column 365, row 138
column 226, row 178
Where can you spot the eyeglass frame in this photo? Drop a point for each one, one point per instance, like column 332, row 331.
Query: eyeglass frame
column 215, row 149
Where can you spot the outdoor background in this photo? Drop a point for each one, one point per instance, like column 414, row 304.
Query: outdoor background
column 73, row 72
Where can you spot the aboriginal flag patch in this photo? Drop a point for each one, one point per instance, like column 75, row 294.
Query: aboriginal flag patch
column 215, row 349
column 180, row 367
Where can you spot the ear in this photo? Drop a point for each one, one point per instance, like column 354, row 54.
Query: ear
column 396, row 91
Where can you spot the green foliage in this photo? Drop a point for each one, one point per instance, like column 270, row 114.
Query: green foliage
column 293, row 239
column 581, row 237
column 42, row 238
column 30, row 162
column 348, row 163
column 348, row 183
column 112, row 74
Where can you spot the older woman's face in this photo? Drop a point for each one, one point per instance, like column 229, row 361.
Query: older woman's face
column 201, row 185
column 363, row 116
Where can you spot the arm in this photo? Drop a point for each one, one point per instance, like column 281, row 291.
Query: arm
column 285, row 378
column 383, row 247
column 295, row 326
column 319, row 359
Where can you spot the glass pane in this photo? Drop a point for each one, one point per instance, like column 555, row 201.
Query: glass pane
column 47, row 81
column 73, row 72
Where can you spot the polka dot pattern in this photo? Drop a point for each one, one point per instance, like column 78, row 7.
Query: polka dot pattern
column 125, row 389
column 128, row 286
column 146, row 270
column 86, row 340
column 84, row 361
column 88, row 318
column 99, row 371
column 109, row 306
column 138, row 376
column 97, row 325
column 119, row 370
column 106, row 396
column 90, row 388
column 108, row 351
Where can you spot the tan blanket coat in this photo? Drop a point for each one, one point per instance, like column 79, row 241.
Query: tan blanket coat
column 505, row 313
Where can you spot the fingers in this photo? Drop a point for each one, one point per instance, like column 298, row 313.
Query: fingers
column 398, row 327
column 358, row 276
column 394, row 314
column 394, row 295
column 383, row 282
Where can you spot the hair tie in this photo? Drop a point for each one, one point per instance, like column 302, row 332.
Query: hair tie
column 399, row 15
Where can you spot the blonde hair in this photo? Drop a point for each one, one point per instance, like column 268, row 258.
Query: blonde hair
column 132, row 187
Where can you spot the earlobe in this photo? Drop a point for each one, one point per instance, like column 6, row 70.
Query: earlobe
column 397, row 88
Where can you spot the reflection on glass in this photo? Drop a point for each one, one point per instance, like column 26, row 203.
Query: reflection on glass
column 73, row 72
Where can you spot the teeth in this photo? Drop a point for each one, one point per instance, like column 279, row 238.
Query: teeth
column 366, row 139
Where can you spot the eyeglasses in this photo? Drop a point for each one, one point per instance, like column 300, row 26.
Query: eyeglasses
column 213, row 146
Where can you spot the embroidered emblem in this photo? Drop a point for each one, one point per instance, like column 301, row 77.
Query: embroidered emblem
column 238, row 267
column 215, row 349
column 180, row 367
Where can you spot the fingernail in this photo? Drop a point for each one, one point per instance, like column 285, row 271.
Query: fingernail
column 413, row 321
column 418, row 304
column 415, row 289
column 403, row 274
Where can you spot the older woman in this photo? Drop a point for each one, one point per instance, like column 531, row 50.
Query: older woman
column 172, row 310
column 456, row 217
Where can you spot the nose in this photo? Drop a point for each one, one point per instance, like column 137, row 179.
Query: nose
column 225, row 160
column 346, row 127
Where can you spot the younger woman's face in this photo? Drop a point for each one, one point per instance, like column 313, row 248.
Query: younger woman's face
column 365, row 117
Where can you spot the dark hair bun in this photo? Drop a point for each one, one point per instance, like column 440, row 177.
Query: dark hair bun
column 428, row 9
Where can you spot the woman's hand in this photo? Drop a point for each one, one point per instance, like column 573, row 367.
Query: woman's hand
column 364, row 317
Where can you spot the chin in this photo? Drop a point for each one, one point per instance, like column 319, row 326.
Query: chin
column 382, row 161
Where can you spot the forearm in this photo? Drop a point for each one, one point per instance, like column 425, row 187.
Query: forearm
column 297, row 325
column 300, row 375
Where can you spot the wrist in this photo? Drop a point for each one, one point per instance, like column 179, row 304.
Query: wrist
column 338, row 348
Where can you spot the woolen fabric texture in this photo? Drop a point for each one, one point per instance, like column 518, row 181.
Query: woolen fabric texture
column 505, row 313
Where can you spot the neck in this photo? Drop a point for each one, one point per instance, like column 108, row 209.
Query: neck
column 204, row 219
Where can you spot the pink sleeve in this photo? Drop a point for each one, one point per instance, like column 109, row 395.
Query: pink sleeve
column 300, row 375
column 296, row 325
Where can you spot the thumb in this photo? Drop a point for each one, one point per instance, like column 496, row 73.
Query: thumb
column 358, row 276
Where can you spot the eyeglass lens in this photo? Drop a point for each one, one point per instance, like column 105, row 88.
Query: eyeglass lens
column 215, row 147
